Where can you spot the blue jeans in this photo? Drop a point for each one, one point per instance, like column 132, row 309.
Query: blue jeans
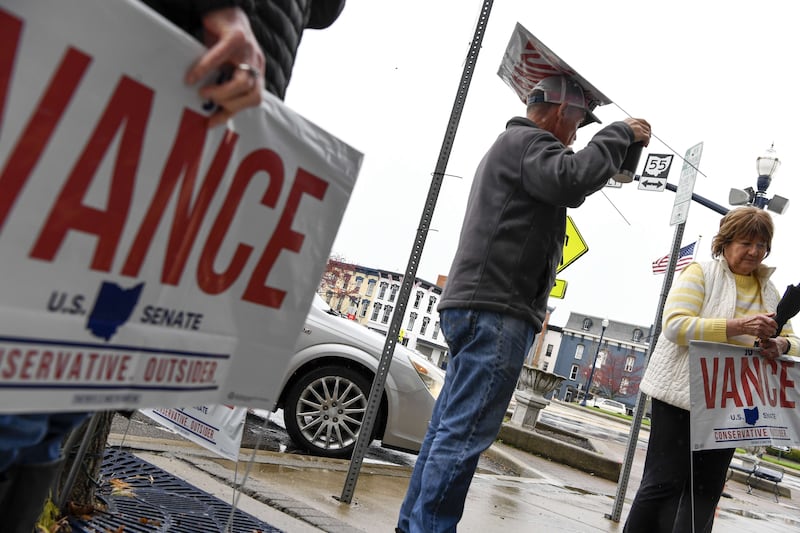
column 487, row 351
column 34, row 438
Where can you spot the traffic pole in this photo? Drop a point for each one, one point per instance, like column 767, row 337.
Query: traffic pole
column 379, row 382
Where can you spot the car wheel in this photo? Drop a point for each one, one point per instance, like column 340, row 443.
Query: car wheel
column 324, row 410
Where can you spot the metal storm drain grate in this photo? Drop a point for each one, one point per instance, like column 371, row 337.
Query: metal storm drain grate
column 152, row 500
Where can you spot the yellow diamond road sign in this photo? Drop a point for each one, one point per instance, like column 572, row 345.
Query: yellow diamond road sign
column 559, row 289
column 574, row 246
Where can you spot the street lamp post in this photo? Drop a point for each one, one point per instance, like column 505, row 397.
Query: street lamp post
column 594, row 363
column 766, row 165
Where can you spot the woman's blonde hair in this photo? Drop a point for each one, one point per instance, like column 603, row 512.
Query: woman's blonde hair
column 749, row 223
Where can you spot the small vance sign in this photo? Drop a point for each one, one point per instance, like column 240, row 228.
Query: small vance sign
column 741, row 399
column 218, row 428
column 148, row 260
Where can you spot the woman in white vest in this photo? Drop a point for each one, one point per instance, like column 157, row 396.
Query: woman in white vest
column 729, row 299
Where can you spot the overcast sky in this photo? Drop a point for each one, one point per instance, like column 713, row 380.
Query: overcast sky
column 384, row 77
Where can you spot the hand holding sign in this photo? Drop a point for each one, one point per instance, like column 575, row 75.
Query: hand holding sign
column 773, row 346
column 232, row 44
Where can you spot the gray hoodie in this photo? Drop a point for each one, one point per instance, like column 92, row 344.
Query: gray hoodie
column 513, row 232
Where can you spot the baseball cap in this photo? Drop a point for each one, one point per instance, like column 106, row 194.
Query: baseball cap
column 563, row 90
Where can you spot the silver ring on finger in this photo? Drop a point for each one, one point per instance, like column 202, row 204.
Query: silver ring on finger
column 252, row 71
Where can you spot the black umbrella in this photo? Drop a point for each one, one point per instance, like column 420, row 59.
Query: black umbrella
column 787, row 307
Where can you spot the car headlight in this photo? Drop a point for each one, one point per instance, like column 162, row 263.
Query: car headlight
column 431, row 375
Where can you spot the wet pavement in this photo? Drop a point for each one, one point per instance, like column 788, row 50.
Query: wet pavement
column 301, row 493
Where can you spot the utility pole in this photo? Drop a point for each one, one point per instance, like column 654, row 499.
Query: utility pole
column 373, row 404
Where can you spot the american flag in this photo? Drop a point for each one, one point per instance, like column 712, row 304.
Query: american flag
column 685, row 257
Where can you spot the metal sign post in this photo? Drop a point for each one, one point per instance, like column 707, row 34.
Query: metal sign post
column 679, row 213
column 373, row 404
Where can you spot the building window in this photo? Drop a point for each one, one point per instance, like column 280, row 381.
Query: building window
column 637, row 335
column 411, row 318
column 431, row 303
column 629, row 362
column 435, row 330
column 549, row 351
column 393, row 294
column 387, row 311
column 425, row 321
column 545, row 365
column 375, row 310
column 370, row 287
column 352, row 309
column 587, row 324
column 579, row 351
column 573, row 372
column 359, row 282
column 364, row 307
column 418, row 299
column 601, row 358
column 624, row 383
column 382, row 292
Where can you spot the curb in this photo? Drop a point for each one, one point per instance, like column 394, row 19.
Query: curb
column 590, row 462
column 508, row 460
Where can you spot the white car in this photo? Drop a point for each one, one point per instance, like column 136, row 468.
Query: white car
column 610, row 405
column 325, row 390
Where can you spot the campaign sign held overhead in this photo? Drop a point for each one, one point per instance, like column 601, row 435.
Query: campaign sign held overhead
column 527, row 60
column 148, row 260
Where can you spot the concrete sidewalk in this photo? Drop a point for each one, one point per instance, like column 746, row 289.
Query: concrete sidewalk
column 300, row 493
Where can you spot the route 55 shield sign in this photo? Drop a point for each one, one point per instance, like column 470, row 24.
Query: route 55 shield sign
column 656, row 170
